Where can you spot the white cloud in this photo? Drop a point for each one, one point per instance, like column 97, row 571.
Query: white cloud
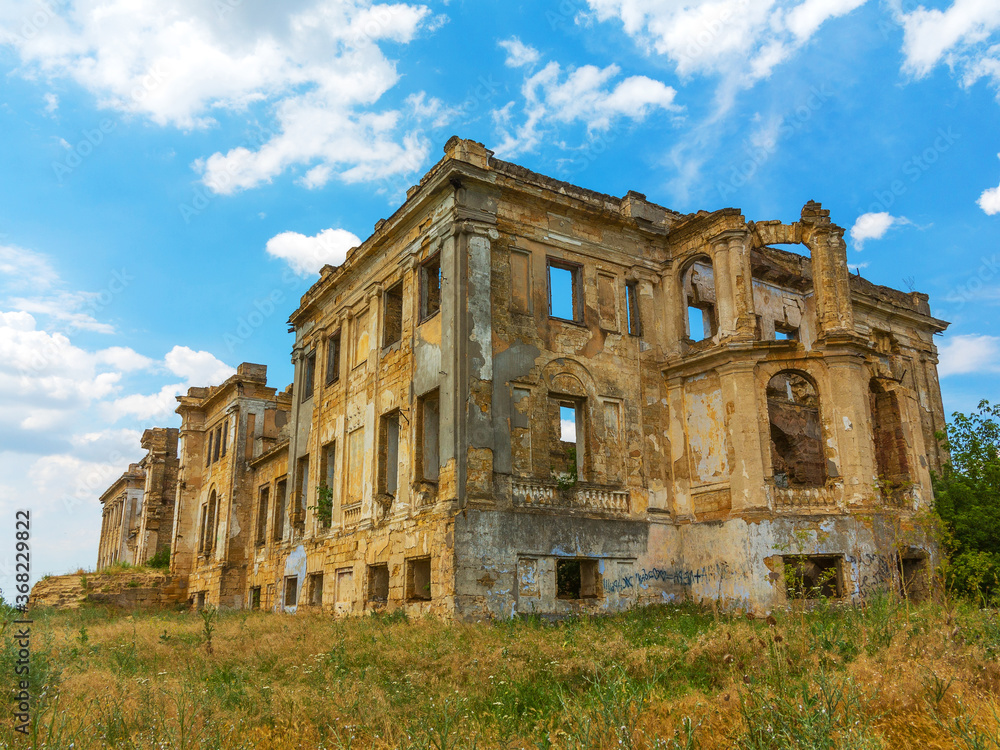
column 954, row 36
column 316, row 64
column 586, row 95
column 969, row 353
column 307, row 255
column 873, row 226
column 197, row 368
column 51, row 102
column 741, row 41
column 519, row 54
column 24, row 269
column 124, row 359
column 989, row 201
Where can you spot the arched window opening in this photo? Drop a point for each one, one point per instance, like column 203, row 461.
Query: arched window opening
column 890, row 444
column 797, row 456
column 208, row 542
column 699, row 296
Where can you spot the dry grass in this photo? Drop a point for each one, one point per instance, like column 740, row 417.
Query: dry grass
column 886, row 676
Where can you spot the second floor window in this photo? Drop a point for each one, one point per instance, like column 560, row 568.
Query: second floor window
column 308, row 375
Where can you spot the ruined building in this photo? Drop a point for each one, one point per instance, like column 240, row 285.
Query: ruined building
column 138, row 509
column 521, row 396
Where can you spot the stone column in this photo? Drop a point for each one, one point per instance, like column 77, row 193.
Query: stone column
column 845, row 404
column 734, row 284
column 683, row 507
column 743, row 428
column 475, row 339
column 831, row 277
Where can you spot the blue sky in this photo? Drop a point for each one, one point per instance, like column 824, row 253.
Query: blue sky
column 174, row 175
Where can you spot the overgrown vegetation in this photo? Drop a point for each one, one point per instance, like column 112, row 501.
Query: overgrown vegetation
column 161, row 560
column 887, row 675
column 967, row 499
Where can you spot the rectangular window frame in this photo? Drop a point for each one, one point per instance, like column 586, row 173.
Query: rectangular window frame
column 429, row 306
column 633, row 319
column 308, row 380
column 280, row 509
column 390, row 428
column 576, row 290
column 333, row 358
column 263, row 503
column 392, row 301
column 417, row 589
column 374, row 582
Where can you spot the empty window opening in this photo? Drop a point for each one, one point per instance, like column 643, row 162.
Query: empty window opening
column 699, row 297
column 392, row 323
column 291, row 591
column 429, row 412
column 913, row 575
column 577, row 579
column 566, row 454
column 315, row 590
column 389, row 454
column 890, row 442
column 199, row 600
column 308, row 375
column 785, row 332
column 262, row 502
column 378, row 583
column 325, row 492
column 632, row 308
column 797, row 455
column 218, row 445
column 208, row 526
column 302, row 494
column 225, row 436
column 565, row 292
column 418, row 579
column 255, row 597
column 333, row 359
column 203, row 529
column 430, row 287
column 280, row 510
column 208, row 454
column 567, row 423
column 813, row 576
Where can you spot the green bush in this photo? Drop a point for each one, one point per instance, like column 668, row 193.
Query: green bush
column 967, row 499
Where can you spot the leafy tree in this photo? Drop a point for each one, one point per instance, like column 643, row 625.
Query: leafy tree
column 967, row 498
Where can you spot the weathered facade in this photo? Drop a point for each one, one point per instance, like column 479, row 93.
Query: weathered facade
column 522, row 396
column 138, row 509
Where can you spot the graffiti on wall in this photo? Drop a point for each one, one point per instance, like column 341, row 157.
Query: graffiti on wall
column 873, row 572
column 677, row 576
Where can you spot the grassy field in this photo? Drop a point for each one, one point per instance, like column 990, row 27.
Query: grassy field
column 884, row 676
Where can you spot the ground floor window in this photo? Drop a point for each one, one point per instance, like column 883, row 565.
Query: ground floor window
column 577, row 579
column 378, row 583
column 418, row 579
column 813, row 576
column 291, row 591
